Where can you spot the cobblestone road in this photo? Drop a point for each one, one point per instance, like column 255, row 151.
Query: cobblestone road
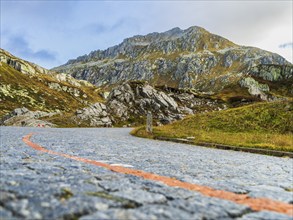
column 37, row 185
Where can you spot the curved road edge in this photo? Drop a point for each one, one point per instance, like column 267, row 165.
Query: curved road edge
column 256, row 204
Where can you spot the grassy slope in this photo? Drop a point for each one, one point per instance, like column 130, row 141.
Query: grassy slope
column 22, row 90
column 263, row 125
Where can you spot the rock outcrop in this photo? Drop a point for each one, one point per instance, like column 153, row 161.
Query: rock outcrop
column 131, row 102
column 96, row 115
column 24, row 117
column 255, row 88
column 24, row 84
column 21, row 65
column 273, row 72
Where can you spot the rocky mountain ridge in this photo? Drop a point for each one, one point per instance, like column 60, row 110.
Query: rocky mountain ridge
column 191, row 58
column 33, row 96
column 172, row 74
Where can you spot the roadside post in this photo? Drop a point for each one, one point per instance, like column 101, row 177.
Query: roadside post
column 149, row 122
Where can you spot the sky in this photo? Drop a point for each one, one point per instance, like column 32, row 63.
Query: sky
column 51, row 32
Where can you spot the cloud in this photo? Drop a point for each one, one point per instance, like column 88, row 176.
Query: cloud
column 123, row 23
column 243, row 21
column 19, row 45
column 286, row 45
column 96, row 28
column 73, row 28
column 44, row 55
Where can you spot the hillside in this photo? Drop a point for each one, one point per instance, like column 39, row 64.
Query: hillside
column 26, row 85
column 261, row 125
column 30, row 94
column 191, row 59
column 173, row 74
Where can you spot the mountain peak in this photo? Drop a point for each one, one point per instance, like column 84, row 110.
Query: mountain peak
column 175, row 40
column 168, row 35
column 192, row 58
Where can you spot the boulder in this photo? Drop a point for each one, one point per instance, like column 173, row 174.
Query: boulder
column 133, row 100
column 255, row 88
column 27, row 118
column 96, row 115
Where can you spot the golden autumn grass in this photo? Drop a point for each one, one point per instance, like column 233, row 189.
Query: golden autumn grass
column 261, row 125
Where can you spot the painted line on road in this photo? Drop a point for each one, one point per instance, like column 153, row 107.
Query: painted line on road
column 256, row 204
column 121, row 165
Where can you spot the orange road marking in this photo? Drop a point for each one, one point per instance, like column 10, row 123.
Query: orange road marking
column 256, row 204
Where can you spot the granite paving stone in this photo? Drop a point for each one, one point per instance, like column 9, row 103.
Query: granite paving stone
column 37, row 185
